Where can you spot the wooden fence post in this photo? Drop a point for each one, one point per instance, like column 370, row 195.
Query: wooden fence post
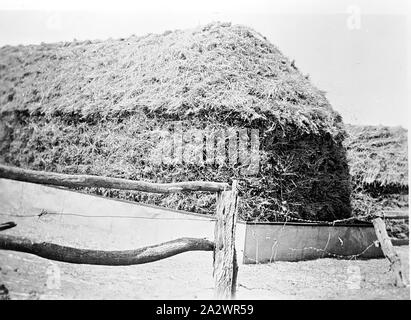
column 389, row 252
column 225, row 260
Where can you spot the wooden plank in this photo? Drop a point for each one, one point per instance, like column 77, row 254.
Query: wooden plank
column 389, row 252
column 68, row 180
column 99, row 257
column 225, row 260
column 7, row 225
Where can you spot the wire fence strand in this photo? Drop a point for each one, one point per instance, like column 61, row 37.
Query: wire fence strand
column 42, row 214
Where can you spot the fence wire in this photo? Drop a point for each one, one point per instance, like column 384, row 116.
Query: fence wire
column 43, row 213
column 363, row 219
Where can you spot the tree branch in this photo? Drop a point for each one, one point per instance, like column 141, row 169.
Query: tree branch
column 70, row 180
column 109, row 258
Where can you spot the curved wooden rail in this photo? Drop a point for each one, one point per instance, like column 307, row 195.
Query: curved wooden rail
column 71, row 180
column 7, row 225
column 108, row 258
column 225, row 260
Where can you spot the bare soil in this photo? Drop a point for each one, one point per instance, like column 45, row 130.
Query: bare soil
column 187, row 276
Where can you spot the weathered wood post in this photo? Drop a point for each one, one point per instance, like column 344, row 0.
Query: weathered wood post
column 389, row 252
column 225, row 260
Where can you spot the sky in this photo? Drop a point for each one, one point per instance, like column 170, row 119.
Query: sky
column 358, row 51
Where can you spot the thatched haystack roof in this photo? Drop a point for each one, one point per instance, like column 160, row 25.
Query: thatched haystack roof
column 378, row 155
column 378, row 159
column 216, row 71
column 88, row 107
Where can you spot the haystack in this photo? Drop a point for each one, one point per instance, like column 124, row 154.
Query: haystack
column 378, row 159
column 93, row 107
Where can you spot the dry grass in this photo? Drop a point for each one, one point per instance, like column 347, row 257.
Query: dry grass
column 88, row 107
column 217, row 72
column 378, row 155
column 378, row 159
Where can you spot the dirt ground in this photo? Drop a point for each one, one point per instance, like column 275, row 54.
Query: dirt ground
column 185, row 276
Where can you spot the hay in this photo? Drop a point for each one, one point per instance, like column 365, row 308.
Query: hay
column 88, row 107
column 378, row 160
column 218, row 72
column 378, row 155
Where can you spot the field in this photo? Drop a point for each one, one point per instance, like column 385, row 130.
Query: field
column 188, row 275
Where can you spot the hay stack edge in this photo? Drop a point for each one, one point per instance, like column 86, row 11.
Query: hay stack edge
column 378, row 159
column 93, row 107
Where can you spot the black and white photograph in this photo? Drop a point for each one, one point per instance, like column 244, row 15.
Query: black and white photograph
column 204, row 151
